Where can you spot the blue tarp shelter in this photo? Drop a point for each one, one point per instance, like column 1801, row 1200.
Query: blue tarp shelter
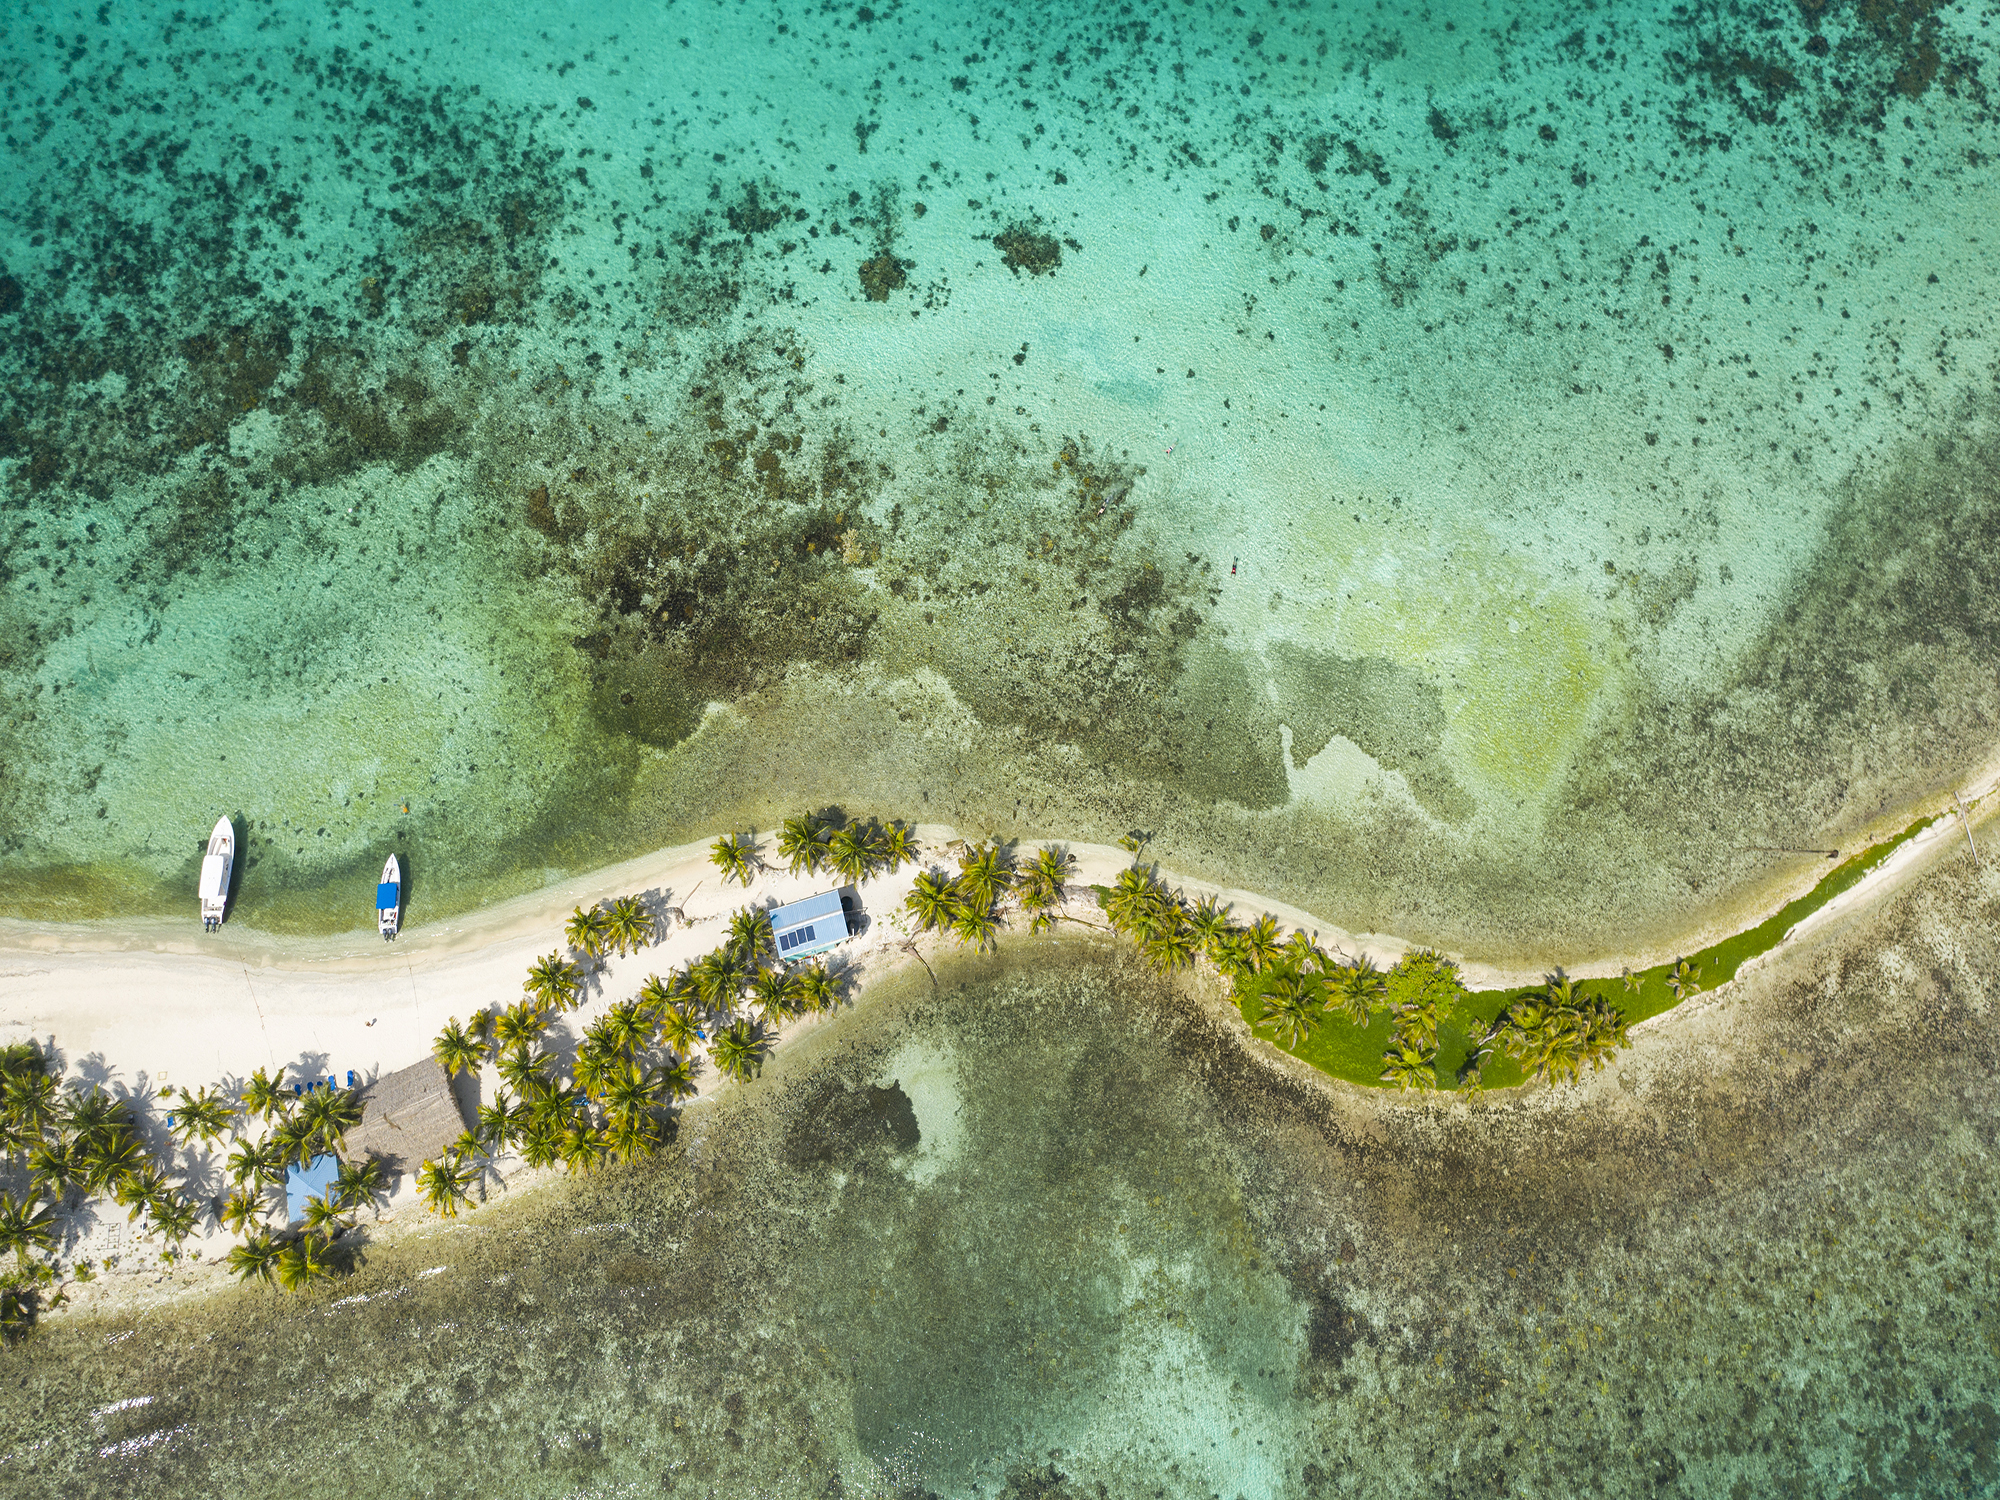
column 309, row 1181
column 809, row 926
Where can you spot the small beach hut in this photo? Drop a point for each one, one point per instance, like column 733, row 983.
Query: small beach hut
column 809, row 926
column 310, row 1181
column 407, row 1117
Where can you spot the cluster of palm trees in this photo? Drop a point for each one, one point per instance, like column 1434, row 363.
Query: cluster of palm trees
column 813, row 842
column 611, row 1098
column 1554, row 1031
column 621, row 925
column 968, row 904
column 298, row 1128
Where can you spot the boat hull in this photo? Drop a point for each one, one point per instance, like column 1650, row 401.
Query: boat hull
column 218, row 862
column 389, row 899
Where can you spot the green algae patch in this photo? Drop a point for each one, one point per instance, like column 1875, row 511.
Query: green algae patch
column 1354, row 1053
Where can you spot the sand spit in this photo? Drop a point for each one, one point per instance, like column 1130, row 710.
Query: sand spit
column 140, row 1007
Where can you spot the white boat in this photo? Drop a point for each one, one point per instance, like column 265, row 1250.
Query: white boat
column 215, row 868
column 389, row 899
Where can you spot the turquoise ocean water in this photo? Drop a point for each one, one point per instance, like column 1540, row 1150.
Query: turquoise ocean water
column 1489, row 473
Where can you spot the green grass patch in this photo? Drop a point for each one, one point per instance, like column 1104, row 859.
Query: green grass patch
column 1354, row 1053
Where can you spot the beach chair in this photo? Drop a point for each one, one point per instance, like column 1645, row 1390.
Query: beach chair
column 350, row 1078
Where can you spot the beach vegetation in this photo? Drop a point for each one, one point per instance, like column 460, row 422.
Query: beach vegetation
column 1260, row 944
column 750, row 939
column 456, row 1050
column 26, row 1225
column 976, row 924
column 984, row 875
column 1040, row 886
column 517, row 1028
column 628, row 925
column 445, row 1186
column 1684, row 979
column 553, row 981
column 818, row 991
column 53, row 1167
column 802, row 844
column 1409, row 1064
column 718, row 980
column 256, row 1259
column 323, row 1214
column 933, row 901
column 1292, row 1007
column 680, row 1029
column 304, row 1262
column 500, row 1123
column 588, row 932
column 263, row 1096
column 240, row 1209
column 738, row 1051
column 735, row 855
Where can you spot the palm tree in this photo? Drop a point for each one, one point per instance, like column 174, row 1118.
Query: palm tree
column 256, row 1258
column 629, row 1137
column 525, row 1071
column 136, row 1190
column 632, row 1088
column 588, row 931
column 294, row 1139
column 553, row 981
column 1210, row 922
column 541, row 1144
column 679, row 1029
column 1303, row 953
column 1684, row 979
column 628, row 1026
column 772, row 993
column 1408, row 1066
column 897, row 846
column 977, row 925
column 593, row 1068
column 53, row 1166
column 331, row 1113
column 817, row 991
column 304, row 1261
column 1358, row 987
column 983, row 874
column 1260, row 943
column 1292, row 1008
column 1135, row 898
column 455, row 1049
column 718, row 980
column 26, row 1226
column 110, row 1157
column 802, row 844
column 628, row 924
column 676, row 1078
column 29, row 1102
column 738, row 1052
column 582, row 1147
column 735, row 855
column 358, row 1181
column 201, row 1115
column 445, row 1185
column 262, row 1095
column 849, row 852
column 499, row 1124
column 518, row 1027
column 933, row 901
column 240, row 1210
column 750, row 938
column 1171, row 944
column 323, row 1215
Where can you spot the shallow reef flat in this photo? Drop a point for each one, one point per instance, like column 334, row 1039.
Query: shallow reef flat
column 1413, row 464
column 1051, row 1228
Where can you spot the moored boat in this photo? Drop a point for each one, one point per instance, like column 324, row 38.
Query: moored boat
column 216, row 864
column 389, row 899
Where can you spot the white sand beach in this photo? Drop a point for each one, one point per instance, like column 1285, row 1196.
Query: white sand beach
column 146, row 1006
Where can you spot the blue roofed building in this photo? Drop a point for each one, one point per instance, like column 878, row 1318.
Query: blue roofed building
column 309, row 1181
column 809, row 926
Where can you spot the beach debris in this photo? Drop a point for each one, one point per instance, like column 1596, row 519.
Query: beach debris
column 1965, row 822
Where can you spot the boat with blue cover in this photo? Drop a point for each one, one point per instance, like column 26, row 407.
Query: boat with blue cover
column 216, row 862
column 389, row 899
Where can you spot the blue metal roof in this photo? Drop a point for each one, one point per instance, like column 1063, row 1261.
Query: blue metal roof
column 809, row 926
column 310, row 1181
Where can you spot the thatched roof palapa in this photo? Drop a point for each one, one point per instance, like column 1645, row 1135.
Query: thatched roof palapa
column 407, row 1117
